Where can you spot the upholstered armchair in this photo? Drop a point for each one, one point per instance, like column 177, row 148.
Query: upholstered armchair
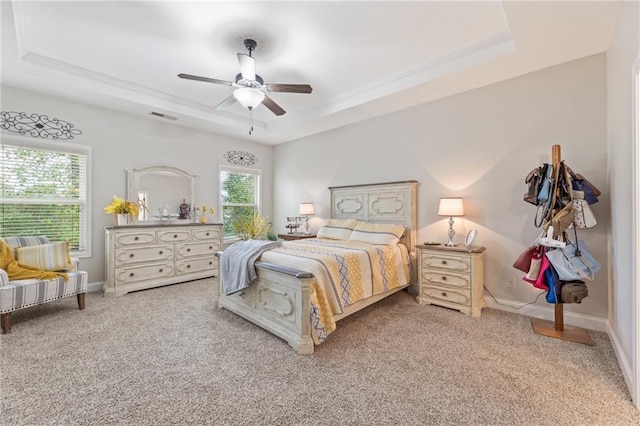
column 23, row 293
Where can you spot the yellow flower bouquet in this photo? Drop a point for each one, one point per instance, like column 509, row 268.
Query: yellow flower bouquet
column 120, row 206
column 252, row 227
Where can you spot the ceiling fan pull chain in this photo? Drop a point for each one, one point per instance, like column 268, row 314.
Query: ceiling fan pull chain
column 251, row 115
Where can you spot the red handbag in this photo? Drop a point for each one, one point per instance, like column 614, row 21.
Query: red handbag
column 523, row 262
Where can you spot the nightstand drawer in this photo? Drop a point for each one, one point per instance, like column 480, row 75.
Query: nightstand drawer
column 447, row 295
column 446, row 279
column 449, row 262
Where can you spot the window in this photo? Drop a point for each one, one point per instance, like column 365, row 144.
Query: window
column 239, row 196
column 44, row 191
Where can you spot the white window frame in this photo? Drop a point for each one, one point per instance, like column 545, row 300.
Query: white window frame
column 257, row 194
column 84, row 202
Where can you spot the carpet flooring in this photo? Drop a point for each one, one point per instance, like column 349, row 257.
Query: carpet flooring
column 169, row 356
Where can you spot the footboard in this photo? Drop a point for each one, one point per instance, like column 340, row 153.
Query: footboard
column 277, row 301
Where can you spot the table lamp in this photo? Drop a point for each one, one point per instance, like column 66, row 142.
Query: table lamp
column 451, row 207
column 306, row 209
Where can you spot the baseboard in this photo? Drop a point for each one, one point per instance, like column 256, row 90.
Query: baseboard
column 625, row 365
column 95, row 287
column 547, row 313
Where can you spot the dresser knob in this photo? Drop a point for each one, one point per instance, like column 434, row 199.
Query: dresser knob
column 131, row 255
column 444, row 294
column 444, row 262
column 188, row 249
column 160, row 270
column 160, row 252
column 210, row 247
column 131, row 274
column 175, row 236
column 188, row 266
column 210, row 263
column 444, row 278
column 207, row 234
column 136, row 238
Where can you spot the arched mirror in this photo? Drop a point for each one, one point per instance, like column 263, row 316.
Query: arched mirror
column 165, row 190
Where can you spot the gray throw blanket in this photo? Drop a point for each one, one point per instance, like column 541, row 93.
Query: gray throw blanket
column 237, row 263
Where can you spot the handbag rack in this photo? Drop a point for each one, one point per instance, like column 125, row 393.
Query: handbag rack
column 557, row 328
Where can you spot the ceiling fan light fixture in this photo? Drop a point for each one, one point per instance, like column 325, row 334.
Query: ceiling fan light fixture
column 249, row 97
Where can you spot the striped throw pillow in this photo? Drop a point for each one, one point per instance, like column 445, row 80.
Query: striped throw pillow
column 378, row 233
column 337, row 229
column 48, row 257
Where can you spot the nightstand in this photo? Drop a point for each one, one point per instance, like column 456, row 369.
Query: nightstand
column 452, row 277
column 290, row 237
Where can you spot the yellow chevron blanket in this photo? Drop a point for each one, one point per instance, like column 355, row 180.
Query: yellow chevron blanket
column 345, row 272
column 17, row 271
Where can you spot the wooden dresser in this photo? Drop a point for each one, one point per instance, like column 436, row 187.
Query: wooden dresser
column 146, row 256
column 452, row 277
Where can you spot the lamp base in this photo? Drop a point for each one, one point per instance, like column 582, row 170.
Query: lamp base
column 450, row 243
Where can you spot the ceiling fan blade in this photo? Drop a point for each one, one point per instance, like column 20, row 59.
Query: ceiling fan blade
column 205, row 79
column 291, row 88
column 274, row 107
column 226, row 104
column 247, row 66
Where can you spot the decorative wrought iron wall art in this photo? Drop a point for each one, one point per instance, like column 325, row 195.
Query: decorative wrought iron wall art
column 241, row 158
column 37, row 125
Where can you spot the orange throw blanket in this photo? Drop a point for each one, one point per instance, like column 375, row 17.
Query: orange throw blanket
column 17, row 271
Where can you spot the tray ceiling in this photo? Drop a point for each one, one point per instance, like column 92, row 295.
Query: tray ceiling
column 363, row 59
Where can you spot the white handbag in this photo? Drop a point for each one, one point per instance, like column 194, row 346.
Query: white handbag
column 583, row 215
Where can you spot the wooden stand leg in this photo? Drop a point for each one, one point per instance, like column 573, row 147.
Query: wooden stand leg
column 5, row 319
column 81, row 300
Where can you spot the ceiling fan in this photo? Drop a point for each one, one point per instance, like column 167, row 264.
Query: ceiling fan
column 250, row 87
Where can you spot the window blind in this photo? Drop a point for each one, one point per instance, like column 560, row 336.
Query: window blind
column 44, row 192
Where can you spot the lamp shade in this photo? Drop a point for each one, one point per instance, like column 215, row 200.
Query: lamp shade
column 306, row 208
column 248, row 97
column 451, row 207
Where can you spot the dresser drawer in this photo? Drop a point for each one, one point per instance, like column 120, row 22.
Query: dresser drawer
column 133, row 254
column 174, row 235
column 197, row 249
column 185, row 266
column 449, row 262
column 206, row 234
column 461, row 281
column 131, row 274
column 133, row 238
column 460, row 298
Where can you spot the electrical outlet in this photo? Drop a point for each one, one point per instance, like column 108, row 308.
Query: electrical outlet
column 511, row 282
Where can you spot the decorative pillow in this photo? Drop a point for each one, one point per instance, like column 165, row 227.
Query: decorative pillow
column 337, row 229
column 377, row 233
column 48, row 257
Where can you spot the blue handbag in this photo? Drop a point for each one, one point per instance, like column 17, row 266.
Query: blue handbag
column 582, row 186
column 573, row 262
column 545, row 190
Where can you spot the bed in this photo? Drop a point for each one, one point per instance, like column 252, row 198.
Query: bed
column 287, row 298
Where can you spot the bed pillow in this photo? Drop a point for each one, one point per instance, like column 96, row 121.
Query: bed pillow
column 48, row 257
column 378, row 233
column 337, row 229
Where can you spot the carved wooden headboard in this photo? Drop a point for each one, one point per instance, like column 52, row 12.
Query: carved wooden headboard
column 393, row 202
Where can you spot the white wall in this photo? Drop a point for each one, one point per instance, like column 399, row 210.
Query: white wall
column 478, row 145
column 120, row 141
column 623, row 51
